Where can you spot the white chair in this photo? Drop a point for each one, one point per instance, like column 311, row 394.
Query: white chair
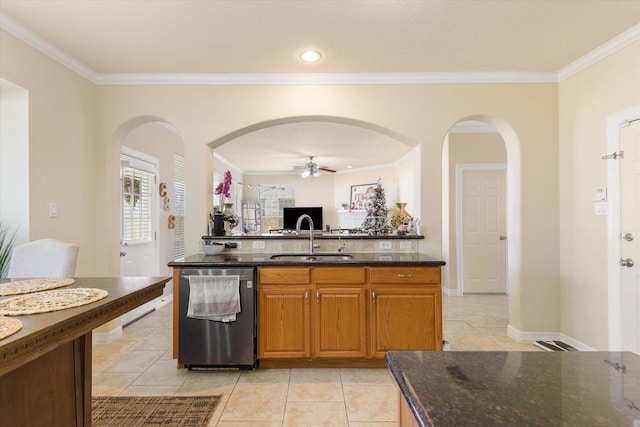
column 43, row 258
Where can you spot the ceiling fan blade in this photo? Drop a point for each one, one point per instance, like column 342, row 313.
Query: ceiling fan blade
column 326, row 169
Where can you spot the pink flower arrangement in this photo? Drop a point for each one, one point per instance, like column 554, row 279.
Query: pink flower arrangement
column 225, row 186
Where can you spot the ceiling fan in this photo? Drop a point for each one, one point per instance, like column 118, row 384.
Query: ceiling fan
column 312, row 169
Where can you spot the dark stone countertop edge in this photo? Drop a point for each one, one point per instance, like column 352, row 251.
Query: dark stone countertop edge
column 315, row 237
column 264, row 259
column 419, row 412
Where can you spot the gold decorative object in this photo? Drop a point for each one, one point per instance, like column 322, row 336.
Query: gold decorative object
column 400, row 216
column 231, row 220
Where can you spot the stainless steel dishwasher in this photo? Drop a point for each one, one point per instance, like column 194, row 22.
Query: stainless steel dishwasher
column 206, row 343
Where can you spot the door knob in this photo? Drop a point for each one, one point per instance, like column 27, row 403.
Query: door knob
column 123, row 253
column 627, row 262
column 503, row 237
column 628, row 237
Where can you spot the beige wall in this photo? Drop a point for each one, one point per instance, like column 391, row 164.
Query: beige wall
column 467, row 148
column 62, row 149
column 75, row 129
column 586, row 100
column 426, row 112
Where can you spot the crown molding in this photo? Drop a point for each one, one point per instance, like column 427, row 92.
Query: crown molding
column 623, row 40
column 326, row 78
column 12, row 27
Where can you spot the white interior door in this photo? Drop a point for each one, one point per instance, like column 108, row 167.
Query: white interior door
column 630, row 235
column 138, row 225
column 482, row 226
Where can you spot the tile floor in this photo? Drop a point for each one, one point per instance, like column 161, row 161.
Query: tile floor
column 140, row 363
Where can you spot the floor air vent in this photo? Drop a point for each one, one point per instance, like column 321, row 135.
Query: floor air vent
column 554, row 346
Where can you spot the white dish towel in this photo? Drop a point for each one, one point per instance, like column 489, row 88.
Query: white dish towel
column 214, row 298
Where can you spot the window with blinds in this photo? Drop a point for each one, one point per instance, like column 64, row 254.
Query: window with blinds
column 136, row 206
column 178, row 206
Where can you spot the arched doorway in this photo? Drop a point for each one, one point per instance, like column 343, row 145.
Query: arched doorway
column 513, row 197
column 149, row 150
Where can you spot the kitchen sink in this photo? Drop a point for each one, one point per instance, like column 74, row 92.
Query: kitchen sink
column 310, row 258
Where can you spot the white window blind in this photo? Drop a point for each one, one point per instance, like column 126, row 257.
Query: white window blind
column 136, row 206
column 178, row 205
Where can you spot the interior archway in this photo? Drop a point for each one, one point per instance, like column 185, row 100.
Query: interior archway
column 156, row 137
column 513, row 203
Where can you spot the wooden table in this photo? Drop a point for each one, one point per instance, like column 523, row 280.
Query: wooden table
column 45, row 368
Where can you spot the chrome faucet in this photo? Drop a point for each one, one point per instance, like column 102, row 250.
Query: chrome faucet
column 341, row 245
column 299, row 225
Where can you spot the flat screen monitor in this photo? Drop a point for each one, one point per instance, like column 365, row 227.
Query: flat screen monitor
column 290, row 217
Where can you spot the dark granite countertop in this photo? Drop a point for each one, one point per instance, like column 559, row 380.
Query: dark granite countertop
column 323, row 236
column 264, row 259
column 460, row 388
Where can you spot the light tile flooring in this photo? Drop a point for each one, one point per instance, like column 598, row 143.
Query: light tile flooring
column 140, row 363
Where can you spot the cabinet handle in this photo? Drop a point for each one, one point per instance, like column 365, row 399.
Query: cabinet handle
column 317, row 297
column 405, row 276
column 306, row 297
column 373, row 296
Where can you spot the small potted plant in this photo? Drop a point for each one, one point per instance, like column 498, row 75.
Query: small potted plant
column 7, row 239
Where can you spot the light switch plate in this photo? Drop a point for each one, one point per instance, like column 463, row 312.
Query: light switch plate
column 53, row 210
column 601, row 208
column 405, row 245
column 258, row 244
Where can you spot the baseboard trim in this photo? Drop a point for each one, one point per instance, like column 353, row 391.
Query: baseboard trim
column 531, row 337
column 450, row 292
column 109, row 337
column 106, row 337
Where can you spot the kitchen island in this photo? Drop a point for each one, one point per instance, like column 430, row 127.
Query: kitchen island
column 340, row 310
column 517, row 388
column 45, row 369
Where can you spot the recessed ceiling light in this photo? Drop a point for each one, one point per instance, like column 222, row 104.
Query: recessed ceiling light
column 310, row 56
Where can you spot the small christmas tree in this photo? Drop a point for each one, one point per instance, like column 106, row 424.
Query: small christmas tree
column 377, row 221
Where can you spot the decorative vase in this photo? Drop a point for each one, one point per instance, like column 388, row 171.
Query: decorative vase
column 400, row 216
column 231, row 220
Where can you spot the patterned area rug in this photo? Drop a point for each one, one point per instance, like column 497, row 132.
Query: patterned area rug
column 9, row 326
column 57, row 299
column 145, row 411
column 28, row 286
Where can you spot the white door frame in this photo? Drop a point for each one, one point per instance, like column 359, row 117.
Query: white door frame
column 614, row 123
column 124, row 150
column 460, row 168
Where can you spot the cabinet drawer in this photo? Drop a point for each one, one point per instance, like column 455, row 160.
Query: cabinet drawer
column 292, row 275
column 405, row 275
column 340, row 275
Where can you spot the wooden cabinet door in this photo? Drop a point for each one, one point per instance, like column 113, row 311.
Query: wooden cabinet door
column 339, row 322
column 284, row 316
column 405, row 318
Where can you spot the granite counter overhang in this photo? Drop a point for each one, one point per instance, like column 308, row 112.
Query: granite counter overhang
column 488, row 388
column 227, row 260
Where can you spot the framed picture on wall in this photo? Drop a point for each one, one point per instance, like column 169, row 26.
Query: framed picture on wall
column 361, row 195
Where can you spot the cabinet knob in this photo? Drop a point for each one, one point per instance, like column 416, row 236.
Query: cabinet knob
column 306, row 297
column 317, row 297
column 373, row 296
column 404, row 276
